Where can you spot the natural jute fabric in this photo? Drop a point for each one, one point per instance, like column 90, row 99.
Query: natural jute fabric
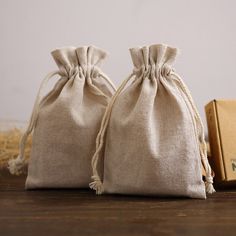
column 66, row 121
column 152, row 133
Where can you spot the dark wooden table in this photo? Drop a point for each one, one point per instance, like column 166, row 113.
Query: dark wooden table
column 80, row 212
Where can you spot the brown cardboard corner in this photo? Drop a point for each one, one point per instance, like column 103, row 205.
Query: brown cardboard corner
column 221, row 122
column 216, row 159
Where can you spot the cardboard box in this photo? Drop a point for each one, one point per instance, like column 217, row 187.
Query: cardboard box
column 221, row 121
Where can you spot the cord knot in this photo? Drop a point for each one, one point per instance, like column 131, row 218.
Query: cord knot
column 96, row 184
column 17, row 166
column 209, row 184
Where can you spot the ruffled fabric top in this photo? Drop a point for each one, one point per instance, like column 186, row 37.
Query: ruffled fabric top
column 70, row 58
column 154, row 57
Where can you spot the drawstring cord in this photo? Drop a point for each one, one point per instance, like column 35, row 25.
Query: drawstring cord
column 199, row 133
column 105, row 77
column 95, row 72
column 16, row 165
column 97, row 184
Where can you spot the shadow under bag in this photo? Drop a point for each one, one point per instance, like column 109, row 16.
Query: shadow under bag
column 152, row 133
column 66, row 121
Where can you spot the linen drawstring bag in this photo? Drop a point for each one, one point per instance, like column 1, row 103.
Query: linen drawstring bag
column 66, row 121
column 152, row 133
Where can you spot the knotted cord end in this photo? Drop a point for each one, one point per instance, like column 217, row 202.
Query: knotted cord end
column 96, row 185
column 17, row 166
column 209, row 185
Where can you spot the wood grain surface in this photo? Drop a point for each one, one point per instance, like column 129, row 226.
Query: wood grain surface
column 81, row 212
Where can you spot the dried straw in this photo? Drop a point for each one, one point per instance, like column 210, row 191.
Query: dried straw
column 9, row 146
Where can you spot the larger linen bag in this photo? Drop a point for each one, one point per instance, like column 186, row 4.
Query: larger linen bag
column 66, row 121
column 153, row 134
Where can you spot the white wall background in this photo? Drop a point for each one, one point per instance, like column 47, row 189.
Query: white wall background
column 204, row 30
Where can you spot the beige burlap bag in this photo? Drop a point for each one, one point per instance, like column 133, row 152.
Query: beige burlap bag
column 152, row 133
column 66, row 121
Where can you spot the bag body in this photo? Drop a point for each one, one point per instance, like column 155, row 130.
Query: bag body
column 151, row 137
column 68, row 121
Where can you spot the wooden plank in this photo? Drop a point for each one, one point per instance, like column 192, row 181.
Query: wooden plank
column 80, row 212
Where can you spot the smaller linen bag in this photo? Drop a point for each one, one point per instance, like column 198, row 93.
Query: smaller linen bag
column 66, row 121
column 152, row 133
